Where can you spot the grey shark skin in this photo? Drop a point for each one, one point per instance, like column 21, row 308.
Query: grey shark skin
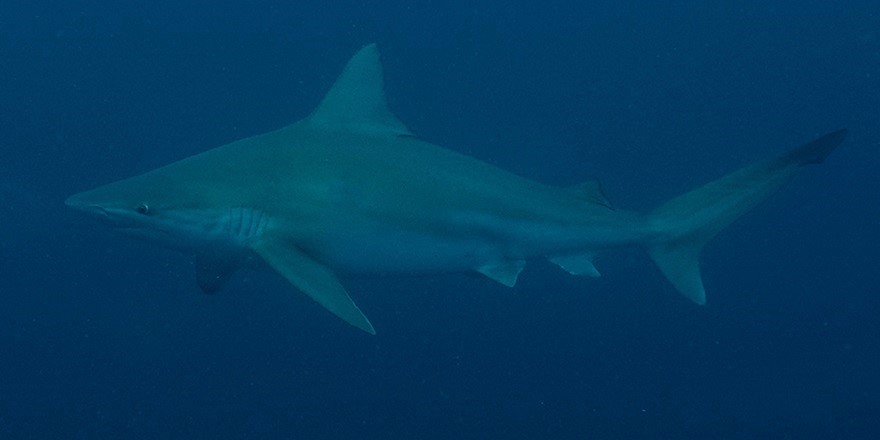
column 349, row 190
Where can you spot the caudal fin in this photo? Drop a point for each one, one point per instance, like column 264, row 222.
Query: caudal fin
column 686, row 223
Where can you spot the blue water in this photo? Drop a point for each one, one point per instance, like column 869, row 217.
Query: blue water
column 102, row 337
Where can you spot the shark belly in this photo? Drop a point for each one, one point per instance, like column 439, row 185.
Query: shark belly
column 405, row 252
column 458, row 241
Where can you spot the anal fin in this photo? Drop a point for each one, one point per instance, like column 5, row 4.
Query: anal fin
column 577, row 264
column 505, row 272
column 315, row 280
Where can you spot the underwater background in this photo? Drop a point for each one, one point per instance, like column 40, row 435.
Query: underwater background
column 106, row 337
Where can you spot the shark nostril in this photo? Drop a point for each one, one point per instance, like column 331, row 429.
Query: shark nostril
column 96, row 210
column 89, row 208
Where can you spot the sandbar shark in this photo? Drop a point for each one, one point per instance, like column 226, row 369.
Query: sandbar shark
column 350, row 190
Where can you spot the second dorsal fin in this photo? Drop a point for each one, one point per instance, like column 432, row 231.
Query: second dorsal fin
column 591, row 191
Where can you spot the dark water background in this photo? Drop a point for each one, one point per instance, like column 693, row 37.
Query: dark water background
column 102, row 337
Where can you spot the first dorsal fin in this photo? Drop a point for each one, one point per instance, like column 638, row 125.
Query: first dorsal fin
column 357, row 99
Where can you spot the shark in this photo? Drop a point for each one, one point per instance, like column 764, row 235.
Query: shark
column 350, row 190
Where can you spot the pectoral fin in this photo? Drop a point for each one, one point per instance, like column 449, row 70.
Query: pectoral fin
column 577, row 264
column 315, row 280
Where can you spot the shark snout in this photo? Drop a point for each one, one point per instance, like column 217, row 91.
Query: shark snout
column 86, row 206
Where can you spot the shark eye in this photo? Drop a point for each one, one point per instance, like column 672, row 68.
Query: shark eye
column 142, row 208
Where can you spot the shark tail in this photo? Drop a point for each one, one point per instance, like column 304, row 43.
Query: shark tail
column 686, row 223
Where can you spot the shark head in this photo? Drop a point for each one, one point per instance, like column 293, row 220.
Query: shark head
column 120, row 204
column 127, row 209
column 178, row 215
